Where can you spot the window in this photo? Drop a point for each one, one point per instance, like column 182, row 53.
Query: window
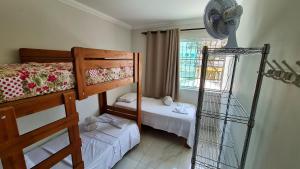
column 190, row 65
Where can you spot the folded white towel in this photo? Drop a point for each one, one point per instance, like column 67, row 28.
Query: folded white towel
column 93, row 119
column 92, row 123
column 167, row 100
column 114, row 122
column 181, row 109
column 117, row 123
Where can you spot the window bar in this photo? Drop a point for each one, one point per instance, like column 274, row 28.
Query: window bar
column 222, row 74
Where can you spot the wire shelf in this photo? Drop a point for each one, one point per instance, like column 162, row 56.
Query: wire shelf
column 221, row 113
column 234, row 51
column 215, row 106
column 212, row 151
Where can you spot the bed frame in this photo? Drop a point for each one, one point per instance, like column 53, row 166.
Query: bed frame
column 12, row 143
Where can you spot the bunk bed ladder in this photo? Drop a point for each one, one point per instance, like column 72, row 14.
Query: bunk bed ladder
column 73, row 131
column 9, row 131
column 12, row 144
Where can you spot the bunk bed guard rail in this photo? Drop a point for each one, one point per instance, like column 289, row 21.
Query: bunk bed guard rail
column 116, row 68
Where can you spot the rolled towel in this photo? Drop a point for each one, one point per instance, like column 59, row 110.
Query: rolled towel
column 90, row 120
column 91, row 123
column 167, row 100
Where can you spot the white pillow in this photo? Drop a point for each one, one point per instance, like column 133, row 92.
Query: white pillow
column 167, row 100
column 128, row 98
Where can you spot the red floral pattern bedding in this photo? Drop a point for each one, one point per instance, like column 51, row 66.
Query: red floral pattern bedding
column 95, row 76
column 18, row 81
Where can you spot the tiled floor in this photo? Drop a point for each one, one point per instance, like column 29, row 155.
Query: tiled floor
column 157, row 150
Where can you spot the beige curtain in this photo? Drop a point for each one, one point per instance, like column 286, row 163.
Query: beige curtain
column 162, row 64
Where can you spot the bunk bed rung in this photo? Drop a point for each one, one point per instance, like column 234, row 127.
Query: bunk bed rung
column 96, row 53
column 109, row 63
column 29, row 138
column 24, row 107
column 44, row 56
column 126, row 111
column 95, row 89
column 121, row 114
column 57, row 157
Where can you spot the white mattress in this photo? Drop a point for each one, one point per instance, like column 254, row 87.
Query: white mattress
column 160, row 116
column 100, row 149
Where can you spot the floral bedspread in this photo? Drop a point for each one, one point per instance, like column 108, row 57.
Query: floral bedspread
column 18, row 81
column 95, row 76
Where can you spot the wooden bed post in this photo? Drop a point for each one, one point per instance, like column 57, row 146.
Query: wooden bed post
column 139, row 89
column 73, row 131
column 9, row 131
column 102, row 99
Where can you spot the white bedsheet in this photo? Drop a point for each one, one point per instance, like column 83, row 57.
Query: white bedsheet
column 100, row 150
column 160, row 116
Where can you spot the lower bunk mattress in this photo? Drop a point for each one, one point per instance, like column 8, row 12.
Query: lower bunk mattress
column 101, row 148
column 159, row 116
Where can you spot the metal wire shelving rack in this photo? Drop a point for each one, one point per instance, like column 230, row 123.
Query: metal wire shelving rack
column 214, row 147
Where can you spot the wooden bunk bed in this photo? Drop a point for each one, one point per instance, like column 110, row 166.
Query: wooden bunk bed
column 84, row 60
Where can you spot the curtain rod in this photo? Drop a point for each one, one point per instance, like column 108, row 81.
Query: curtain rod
column 192, row 29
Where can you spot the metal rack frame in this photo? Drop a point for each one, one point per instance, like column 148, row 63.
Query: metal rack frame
column 232, row 103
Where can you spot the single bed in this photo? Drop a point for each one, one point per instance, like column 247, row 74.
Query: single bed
column 159, row 116
column 101, row 148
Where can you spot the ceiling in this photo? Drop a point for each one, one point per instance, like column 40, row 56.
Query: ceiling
column 144, row 13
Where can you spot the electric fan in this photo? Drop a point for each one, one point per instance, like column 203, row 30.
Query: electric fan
column 221, row 19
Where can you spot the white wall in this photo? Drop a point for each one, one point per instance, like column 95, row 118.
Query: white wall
column 275, row 139
column 50, row 24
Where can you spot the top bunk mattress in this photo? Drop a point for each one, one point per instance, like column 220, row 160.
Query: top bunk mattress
column 19, row 81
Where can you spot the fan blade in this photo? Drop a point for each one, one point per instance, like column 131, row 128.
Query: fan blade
column 233, row 13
